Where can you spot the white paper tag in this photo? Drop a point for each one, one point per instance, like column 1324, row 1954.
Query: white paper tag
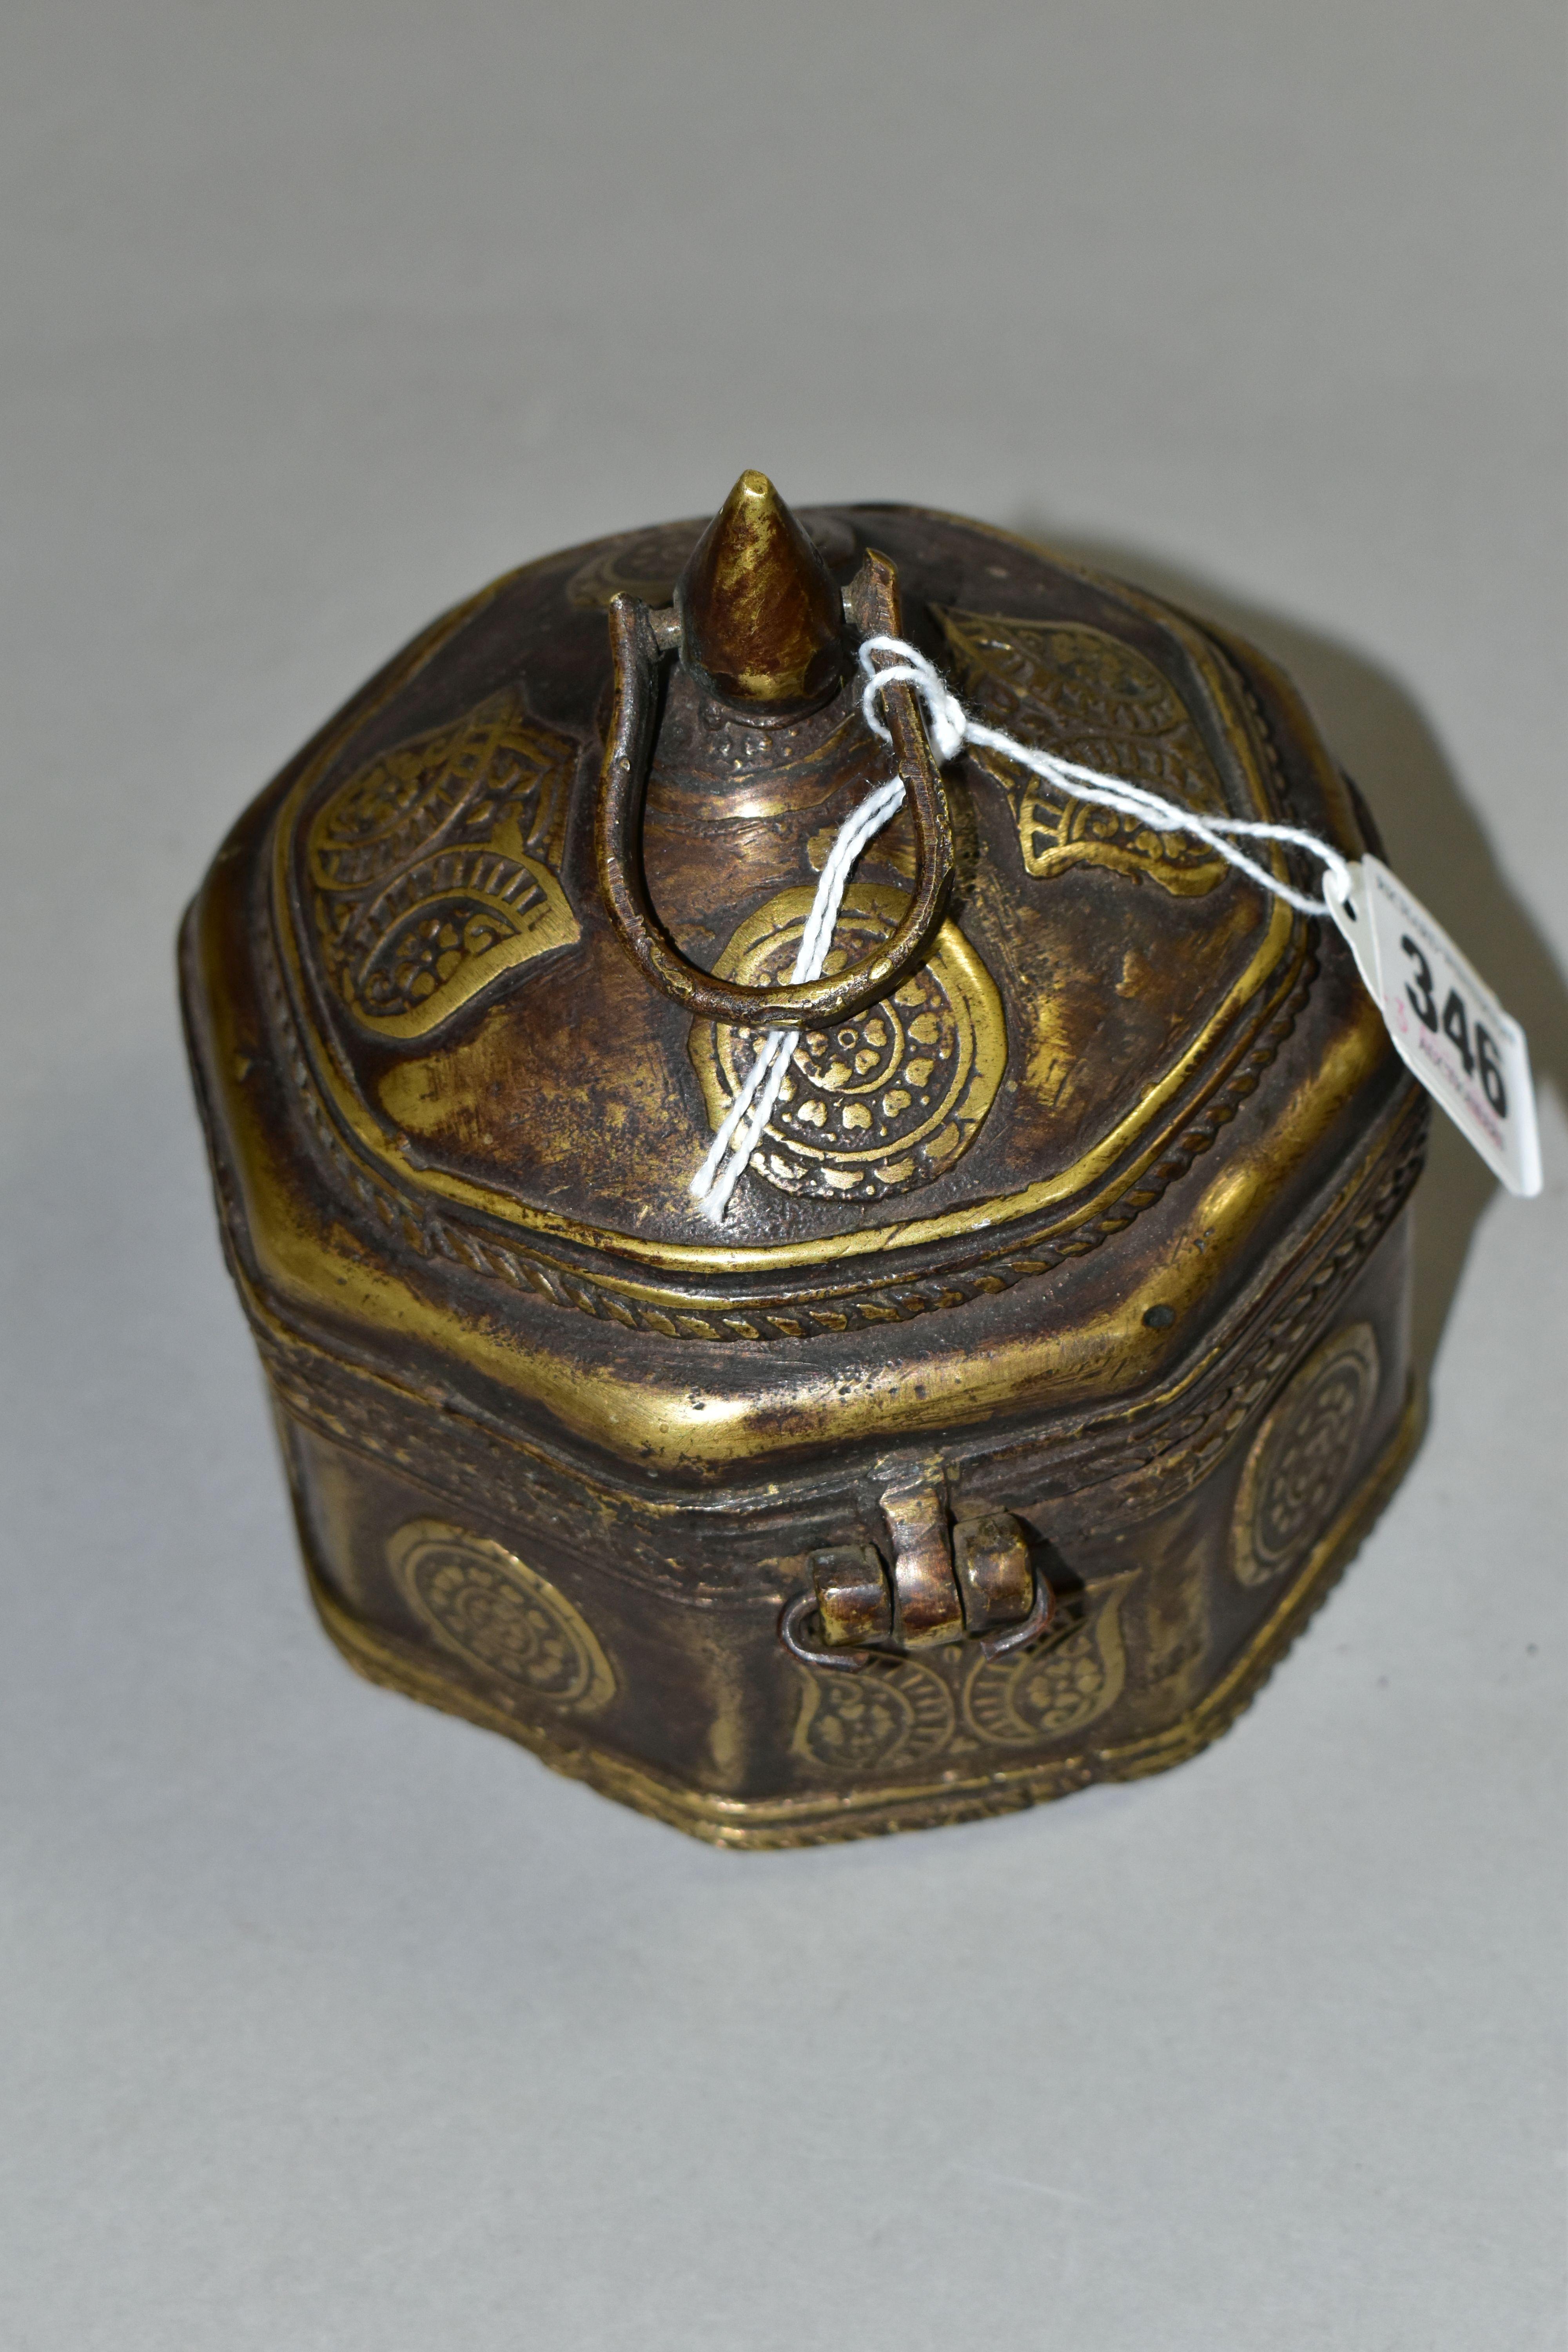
column 1443, row 1019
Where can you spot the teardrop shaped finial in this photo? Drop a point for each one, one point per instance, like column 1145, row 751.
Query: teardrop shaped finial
column 762, row 622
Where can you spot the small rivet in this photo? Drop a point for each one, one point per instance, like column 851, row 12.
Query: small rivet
column 1160, row 1318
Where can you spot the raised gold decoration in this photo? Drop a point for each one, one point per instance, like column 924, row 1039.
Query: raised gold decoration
column 377, row 1162
column 892, row 1716
column 435, row 866
column 1094, row 699
column 480, row 1600
column 1302, row 1455
column 1058, row 1684
column 877, row 1103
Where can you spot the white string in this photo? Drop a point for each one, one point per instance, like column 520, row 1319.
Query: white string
column 951, row 727
column 768, row 1072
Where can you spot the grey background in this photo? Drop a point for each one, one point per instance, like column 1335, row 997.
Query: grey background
column 325, row 2021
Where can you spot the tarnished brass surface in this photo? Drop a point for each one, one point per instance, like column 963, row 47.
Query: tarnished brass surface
column 1053, row 1353
column 927, row 1605
column 435, row 867
column 1080, row 1679
column 991, row 1557
column 1299, row 1459
column 417, row 1121
column 879, row 1103
column 854, row 1604
column 761, row 616
column 637, row 640
column 494, row 1612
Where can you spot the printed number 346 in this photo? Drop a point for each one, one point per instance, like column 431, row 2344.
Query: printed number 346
column 1455, row 1023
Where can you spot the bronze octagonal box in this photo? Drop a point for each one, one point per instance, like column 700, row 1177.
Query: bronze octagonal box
column 1051, row 1359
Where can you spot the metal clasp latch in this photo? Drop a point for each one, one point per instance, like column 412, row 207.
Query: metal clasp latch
column 976, row 1580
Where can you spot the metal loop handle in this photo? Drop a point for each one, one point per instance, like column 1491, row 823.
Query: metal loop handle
column 639, row 640
column 1019, row 1636
column 797, row 1643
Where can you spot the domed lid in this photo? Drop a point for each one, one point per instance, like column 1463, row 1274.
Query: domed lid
column 502, row 1019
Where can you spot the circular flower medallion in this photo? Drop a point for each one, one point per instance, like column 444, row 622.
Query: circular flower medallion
column 1303, row 1456
column 479, row 1599
column 880, row 1103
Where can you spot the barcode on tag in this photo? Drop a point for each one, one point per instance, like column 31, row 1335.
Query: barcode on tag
column 1443, row 1019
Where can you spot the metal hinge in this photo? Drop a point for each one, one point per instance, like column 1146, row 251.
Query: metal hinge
column 976, row 1579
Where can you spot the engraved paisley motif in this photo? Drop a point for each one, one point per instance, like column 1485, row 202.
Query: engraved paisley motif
column 435, row 866
column 893, row 1715
column 879, row 1103
column 492, row 1610
column 898, row 1715
column 1058, row 1684
column 1300, row 1460
column 1091, row 699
